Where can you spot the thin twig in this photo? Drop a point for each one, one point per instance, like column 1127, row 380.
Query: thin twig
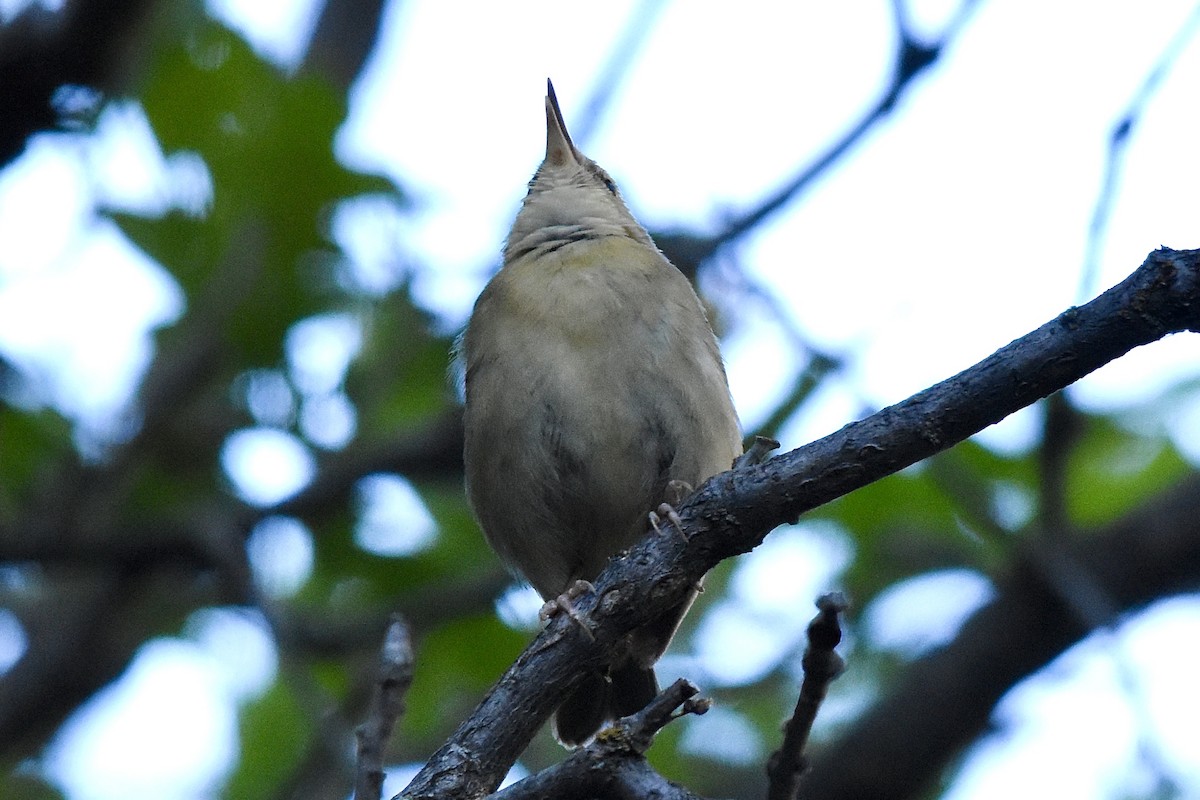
column 820, row 363
column 387, row 704
column 609, row 78
column 822, row 665
column 612, row 766
column 912, row 58
column 640, row 729
column 1118, row 139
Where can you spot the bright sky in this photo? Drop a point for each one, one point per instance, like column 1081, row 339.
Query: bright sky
column 968, row 212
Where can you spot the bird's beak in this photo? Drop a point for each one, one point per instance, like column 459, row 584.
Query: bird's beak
column 560, row 151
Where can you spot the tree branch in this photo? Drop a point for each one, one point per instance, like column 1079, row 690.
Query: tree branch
column 822, row 665
column 1118, row 140
column 387, row 705
column 734, row 511
column 612, row 73
column 688, row 251
column 344, row 37
column 613, row 765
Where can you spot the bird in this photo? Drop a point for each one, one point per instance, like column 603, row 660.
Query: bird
column 594, row 388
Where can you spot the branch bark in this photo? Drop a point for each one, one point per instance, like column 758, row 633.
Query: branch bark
column 734, row 511
column 612, row 767
column 822, row 665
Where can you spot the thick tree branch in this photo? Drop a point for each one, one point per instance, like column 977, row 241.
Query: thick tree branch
column 733, row 511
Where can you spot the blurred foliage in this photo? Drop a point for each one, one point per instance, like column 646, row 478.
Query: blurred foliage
column 19, row 786
column 1113, row 470
column 265, row 140
column 30, row 438
column 275, row 731
column 258, row 260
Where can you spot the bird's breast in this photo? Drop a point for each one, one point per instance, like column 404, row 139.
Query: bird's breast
column 593, row 378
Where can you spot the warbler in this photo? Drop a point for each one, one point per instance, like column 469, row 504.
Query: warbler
column 593, row 383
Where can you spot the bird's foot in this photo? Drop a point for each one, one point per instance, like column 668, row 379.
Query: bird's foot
column 565, row 604
column 760, row 448
column 675, row 493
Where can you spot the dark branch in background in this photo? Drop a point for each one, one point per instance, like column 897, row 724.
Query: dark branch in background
column 202, row 551
column 733, row 511
column 343, row 39
column 819, row 364
column 1081, row 592
column 1077, row 589
column 387, row 705
column 822, row 665
column 612, row 766
column 1060, row 432
column 637, row 30
column 87, row 44
column 433, row 451
column 942, row 702
column 1118, row 139
column 81, row 508
column 688, row 251
column 317, row 634
column 71, row 649
column 202, row 547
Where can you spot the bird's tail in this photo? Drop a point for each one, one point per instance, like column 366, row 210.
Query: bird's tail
column 601, row 698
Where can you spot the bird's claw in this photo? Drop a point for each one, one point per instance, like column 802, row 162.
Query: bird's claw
column 674, row 493
column 668, row 511
column 565, row 604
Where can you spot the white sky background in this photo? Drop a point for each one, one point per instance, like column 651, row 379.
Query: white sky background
column 966, row 213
